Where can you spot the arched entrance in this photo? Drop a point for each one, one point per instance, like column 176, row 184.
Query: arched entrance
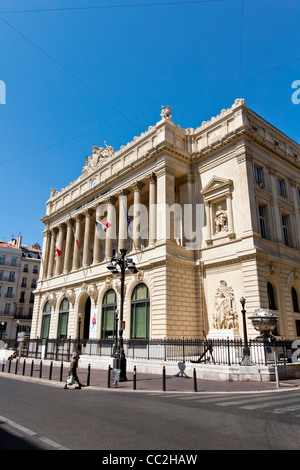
column 84, row 308
column 87, row 318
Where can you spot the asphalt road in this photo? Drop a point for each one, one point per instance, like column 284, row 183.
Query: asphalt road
column 38, row 416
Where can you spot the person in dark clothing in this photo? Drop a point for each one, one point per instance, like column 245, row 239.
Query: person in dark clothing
column 73, row 371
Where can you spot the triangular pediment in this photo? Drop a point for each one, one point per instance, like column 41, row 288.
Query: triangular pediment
column 216, row 183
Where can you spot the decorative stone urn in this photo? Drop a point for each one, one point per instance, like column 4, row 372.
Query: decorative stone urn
column 264, row 321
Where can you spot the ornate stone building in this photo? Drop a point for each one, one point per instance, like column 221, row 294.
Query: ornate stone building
column 214, row 216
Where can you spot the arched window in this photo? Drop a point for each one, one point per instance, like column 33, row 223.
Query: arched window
column 63, row 319
column 295, row 300
column 271, row 297
column 46, row 321
column 140, row 312
column 109, row 305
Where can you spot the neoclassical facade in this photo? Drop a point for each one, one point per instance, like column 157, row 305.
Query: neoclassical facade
column 208, row 215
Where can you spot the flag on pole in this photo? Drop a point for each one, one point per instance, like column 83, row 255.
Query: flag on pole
column 102, row 225
column 127, row 217
column 76, row 241
column 59, row 252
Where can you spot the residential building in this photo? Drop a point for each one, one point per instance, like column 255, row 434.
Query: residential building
column 10, row 262
column 19, row 272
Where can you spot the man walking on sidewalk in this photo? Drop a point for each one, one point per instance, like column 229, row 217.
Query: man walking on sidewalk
column 73, row 371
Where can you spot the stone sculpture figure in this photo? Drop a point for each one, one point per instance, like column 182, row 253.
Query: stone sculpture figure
column 221, row 220
column 225, row 316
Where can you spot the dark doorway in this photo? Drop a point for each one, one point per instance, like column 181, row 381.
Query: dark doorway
column 87, row 315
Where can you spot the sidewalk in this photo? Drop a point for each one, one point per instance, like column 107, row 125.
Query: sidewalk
column 98, row 379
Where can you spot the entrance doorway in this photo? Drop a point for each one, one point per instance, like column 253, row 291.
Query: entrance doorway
column 87, row 317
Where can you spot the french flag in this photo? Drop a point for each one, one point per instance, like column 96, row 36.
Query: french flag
column 102, row 225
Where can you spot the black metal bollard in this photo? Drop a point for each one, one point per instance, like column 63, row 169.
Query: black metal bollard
column 16, row 366
column 61, row 371
column 9, row 365
column 164, row 379
column 50, row 370
column 195, row 380
column 3, row 365
column 108, row 376
column 41, row 369
column 31, row 369
column 24, row 365
column 88, row 375
column 134, row 378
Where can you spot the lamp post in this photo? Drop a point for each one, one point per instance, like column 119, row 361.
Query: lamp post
column 246, row 361
column 120, row 261
column 79, row 327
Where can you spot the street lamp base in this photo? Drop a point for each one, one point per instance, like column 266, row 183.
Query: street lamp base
column 246, row 360
column 120, row 363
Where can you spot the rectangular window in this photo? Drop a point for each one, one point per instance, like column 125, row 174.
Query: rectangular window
column 24, row 282
column 2, row 259
column 258, row 173
column 35, row 269
column 7, row 308
column 262, row 221
column 45, row 326
column 22, row 297
column 285, row 229
column 63, row 325
column 26, row 268
column 281, row 187
column 14, row 261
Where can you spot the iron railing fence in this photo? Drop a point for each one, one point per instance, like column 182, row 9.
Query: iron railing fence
column 222, row 352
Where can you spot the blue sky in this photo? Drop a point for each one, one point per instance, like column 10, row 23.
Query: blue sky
column 77, row 77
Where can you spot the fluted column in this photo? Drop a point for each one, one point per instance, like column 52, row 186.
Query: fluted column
column 89, row 224
column 45, row 253
column 60, row 246
column 123, row 224
column 76, row 251
column 165, row 201
column 111, row 231
column 68, row 248
column 152, row 209
column 97, row 245
column 137, row 188
column 51, row 254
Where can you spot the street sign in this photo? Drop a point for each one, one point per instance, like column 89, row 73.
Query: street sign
column 122, row 325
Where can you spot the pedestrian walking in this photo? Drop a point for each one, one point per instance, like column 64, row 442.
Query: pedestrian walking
column 73, row 371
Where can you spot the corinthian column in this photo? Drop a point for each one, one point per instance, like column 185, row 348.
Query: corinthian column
column 60, row 246
column 123, row 224
column 76, row 251
column 138, row 186
column 152, row 209
column 89, row 225
column 51, row 255
column 68, row 249
column 111, row 231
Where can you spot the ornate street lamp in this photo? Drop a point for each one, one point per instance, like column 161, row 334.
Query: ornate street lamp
column 79, row 327
column 246, row 361
column 118, row 264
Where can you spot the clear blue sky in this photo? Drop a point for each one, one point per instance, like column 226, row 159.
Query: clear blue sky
column 78, row 77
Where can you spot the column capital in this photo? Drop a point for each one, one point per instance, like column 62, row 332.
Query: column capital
column 138, row 186
column 152, row 178
column 124, row 192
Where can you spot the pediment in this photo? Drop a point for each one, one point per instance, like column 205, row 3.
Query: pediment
column 216, row 183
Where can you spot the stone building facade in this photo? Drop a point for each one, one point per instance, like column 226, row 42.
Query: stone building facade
column 214, row 216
